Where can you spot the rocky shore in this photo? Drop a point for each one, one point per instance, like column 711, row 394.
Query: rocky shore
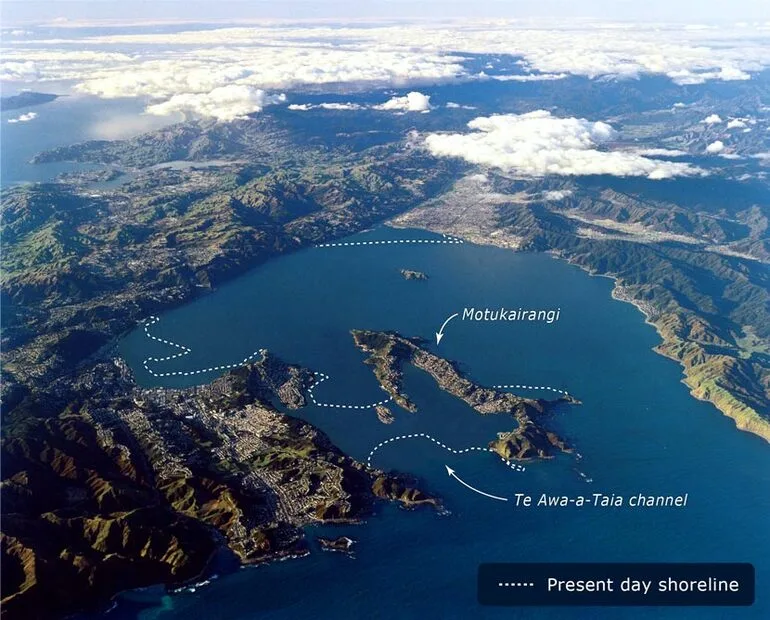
column 389, row 352
column 409, row 274
column 710, row 308
column 128, row 487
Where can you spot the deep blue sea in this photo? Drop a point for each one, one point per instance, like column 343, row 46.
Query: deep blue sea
column 638, row 430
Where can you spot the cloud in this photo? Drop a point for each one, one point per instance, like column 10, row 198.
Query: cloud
column 539, row 144
column 685, row 77
column 736, row 123
column 523, row 77
column 585, row 48
column 225, row 103
column 557, row 194
column 304, row 107
column 655, row 152
column 712, row 119
column 23, row 118
column 280, row 57
column 452, row 105
column 266, row 67
column 715, row 147
column 19, row 71
column 340, row 106
column 411, row 102
column 123, row 125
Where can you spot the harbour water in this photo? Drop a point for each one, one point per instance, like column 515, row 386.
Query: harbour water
column 637, row 431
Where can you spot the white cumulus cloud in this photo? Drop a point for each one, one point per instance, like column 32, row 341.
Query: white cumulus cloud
column 557, row 194
column 715, row 147
column 540, row 144
column 23, row 118
column 657, row 152
column 453, row 105
column 197, row 60
column 347, row 106
column 13, row 71
column 712, row 119
column 411, row 102
column 340, row 106
column 736, row 123
column 225, row 103
column 524, row 77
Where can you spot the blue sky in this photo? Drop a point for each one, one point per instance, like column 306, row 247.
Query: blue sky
column 25, row 11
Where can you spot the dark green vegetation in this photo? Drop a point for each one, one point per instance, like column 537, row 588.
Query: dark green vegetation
column 692, row 254
column 25, row 99
column 389, row 352
column 79, row 268
column 120, row 487
column 107, row 486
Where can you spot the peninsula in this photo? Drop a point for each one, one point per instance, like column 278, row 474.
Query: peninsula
column 129, row 487
column 389, row 352
column 25, row 99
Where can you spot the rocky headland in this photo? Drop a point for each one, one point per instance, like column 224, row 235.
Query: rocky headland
column 693, row 264
column 389, row 352
column 127, row 486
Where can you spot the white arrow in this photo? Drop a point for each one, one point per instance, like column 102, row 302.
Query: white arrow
column 440, row 333
column 452, row 474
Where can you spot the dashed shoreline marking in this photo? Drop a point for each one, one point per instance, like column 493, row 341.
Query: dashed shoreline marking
column 183, row 351
column 518, row 386
column 323, row 378
column 447, row 239
column 511, row 464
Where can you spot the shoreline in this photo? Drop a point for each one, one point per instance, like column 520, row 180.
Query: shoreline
column 746, row 419
column 750, row 422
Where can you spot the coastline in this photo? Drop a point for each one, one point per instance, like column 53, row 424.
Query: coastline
column 745, row 417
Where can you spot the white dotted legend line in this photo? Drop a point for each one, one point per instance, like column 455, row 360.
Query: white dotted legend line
column 323, row 378
column 511, row 464
column 515, row 584
column 183, row 351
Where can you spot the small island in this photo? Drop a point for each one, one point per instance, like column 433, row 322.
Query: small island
column 341, row 544
column 410, row 274
column 384, row 414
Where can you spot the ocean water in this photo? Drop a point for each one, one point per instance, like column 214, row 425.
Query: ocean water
column 638, row 430
column 64, row 121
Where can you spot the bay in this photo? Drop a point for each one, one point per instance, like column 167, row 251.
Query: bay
column 638, row 430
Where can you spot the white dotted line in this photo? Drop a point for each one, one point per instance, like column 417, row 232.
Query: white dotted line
column 513, row 466
column 530, row 387
column 183, row 351
column 448, row 240
column 323, row 378
column 515, row 584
